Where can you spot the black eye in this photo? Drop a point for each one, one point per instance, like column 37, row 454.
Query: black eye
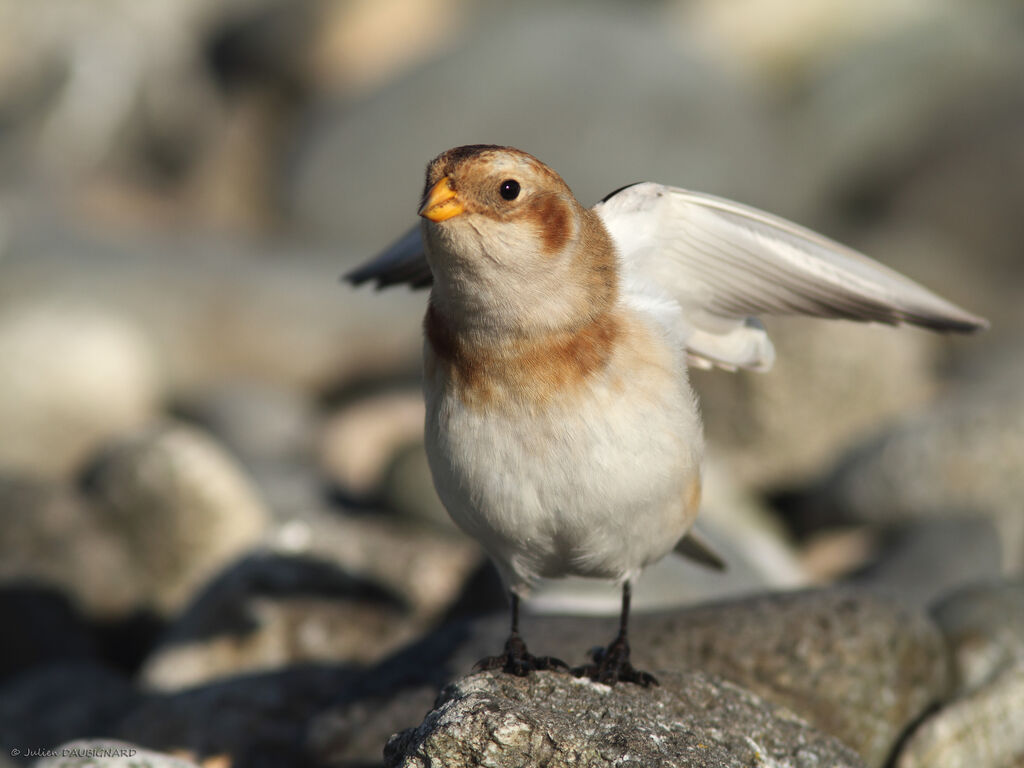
column 509, row 189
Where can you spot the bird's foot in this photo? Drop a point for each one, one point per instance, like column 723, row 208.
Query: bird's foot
column 518, row 661
column 611, row 665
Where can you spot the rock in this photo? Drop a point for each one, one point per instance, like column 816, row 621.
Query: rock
column 108, row 753
column 271, row 611
column 832, row 385
column 49, row 705
column 43, row 627
column 335, row 187
column 551, row 719
column 921, row 560
column 359, row 440
column 958, row 458
column 257, row 721
column 270, row 430
column 982, row 728
column 54, row 539
column 179, row 504
column 289, row 323
column 424, row 566
column 74, row 375
column 855, row 666
column 984, row 627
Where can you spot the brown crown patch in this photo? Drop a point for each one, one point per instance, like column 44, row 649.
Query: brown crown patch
column 521, row 372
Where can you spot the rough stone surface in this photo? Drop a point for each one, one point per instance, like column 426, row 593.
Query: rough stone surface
column 854, row 665
column 108, row 753
column 181, row 506
column 984, row 627
column 553, row 720
column 982, row 728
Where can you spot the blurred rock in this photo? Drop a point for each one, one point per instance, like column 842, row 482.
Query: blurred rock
column 359, row 440
column 218, row 309
column 857, row 667
column 425, row 567
column 984, row 627
column 919, row 561
column 107, row 753
column 54, row 539
column 256, row 721
column 832, row 385
column 49, row 705
column 551, row 719
column 356, row 173
column 982, row 728
column 42, row 627
column 180, row 506
column 73, row 376
column 269, row 612
column 269, row 429
column 960, row 457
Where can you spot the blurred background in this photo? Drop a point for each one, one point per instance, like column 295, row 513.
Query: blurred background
column 210, row 449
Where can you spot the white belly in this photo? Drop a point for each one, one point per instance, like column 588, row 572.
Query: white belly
column 599, row 482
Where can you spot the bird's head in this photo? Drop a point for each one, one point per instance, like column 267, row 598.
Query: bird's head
column 509, row 246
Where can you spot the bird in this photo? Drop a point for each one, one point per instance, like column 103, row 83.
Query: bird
column 561, row 430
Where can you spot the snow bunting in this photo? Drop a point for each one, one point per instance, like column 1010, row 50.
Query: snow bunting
column 561, row 430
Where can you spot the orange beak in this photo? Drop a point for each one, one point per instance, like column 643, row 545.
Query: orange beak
column 442, row 203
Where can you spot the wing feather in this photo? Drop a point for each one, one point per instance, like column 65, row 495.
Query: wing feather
column 401, row 262
column 724, row 262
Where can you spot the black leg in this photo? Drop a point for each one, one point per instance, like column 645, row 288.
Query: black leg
column 611, row 665
column 517, row 660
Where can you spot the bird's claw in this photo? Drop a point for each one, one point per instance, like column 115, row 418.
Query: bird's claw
column 611, row 665
column 518, row 661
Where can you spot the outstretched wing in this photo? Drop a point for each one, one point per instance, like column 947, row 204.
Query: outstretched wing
column 725, row 264
column 401, row 262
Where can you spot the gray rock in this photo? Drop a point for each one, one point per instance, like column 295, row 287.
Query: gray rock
column 349, row 160
column 979, row 730
column 960, row 457
column 832, row 384
column 180, row 505
column 921, row 560
column 270, row 430
column 289, row 322
column 258, row 720
column 54, row 539
column 73, row 376
column 49, row 705
column 108, row 753
column 424, row 566
column 984, row 627
column 855, row 666
column 42, row 627
column 269, row 612
column 553, row 720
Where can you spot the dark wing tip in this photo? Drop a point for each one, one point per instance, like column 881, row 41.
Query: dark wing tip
column 614, row 192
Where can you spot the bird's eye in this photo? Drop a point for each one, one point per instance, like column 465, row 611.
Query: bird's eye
column 509, row 189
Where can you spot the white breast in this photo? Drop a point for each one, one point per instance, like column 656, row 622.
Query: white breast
column 598, row 483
